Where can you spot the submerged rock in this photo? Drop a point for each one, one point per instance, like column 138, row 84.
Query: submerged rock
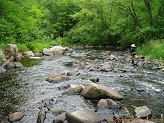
column 82, row 116
column 63, row 87
column 97, row 91
column 16, row 116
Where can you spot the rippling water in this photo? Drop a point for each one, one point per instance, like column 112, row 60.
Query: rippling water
column 22, row 89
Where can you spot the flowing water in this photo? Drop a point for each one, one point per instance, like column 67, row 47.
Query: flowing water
column 22, row 89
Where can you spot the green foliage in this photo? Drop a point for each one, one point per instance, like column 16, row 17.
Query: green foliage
column 154, row 49
column 38, row 46
column 22, row 47
column 59, row 16
column 93, row 25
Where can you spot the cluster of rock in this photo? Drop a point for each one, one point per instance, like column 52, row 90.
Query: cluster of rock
column 10, row 54
column 106, row 97
column 107, row 100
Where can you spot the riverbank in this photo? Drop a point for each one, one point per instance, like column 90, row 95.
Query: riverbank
column 154, row 49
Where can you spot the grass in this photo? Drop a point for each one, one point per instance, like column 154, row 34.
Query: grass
column 154, row 49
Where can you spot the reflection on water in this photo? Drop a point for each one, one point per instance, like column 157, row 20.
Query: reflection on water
column 21, row 89
column 13, row 90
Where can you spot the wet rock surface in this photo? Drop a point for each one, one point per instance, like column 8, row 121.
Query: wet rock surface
column 16, row 116
column 59, row 94
column 82, row 116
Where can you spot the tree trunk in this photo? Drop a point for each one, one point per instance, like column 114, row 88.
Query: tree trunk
column 132, row 13
column 160, row 11
column 147, row 4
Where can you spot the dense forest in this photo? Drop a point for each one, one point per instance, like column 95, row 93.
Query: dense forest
column 81, row 22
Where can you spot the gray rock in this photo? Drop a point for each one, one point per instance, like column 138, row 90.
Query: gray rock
column 10, row 50
column 14, row 65
column 38, row 54
column 57, row 110
column 58, row 50
column 41, row 115
column 107, row 103
column 57, row 78
column 142, row 112
column 47, row 52
column 102, row 103
column 73, row 90
column 29, row 54
column 94, row 80
column 73, row 73
column 82, row 116
column 112, row 104
column 60, row 118
column 63, row 87
column 96, row 91
column 2, row 70
column 16, row 116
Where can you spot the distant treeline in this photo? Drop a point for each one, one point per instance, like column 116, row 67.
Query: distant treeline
column 81, row 22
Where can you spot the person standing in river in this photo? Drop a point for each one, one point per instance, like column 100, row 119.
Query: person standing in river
column 133, row 52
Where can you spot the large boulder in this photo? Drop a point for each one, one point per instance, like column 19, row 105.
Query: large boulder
column 58, row 50
column 97, row 91
column 10, row 50
column 55, row 50
column 57, row 77
column 16, row 116
column 47, row 52
column 82, row 116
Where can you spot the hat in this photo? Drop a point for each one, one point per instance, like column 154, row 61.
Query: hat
column 133, row 45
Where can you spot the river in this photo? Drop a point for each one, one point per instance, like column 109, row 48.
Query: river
column 23, row 89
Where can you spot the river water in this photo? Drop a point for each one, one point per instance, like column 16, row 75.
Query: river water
column 23, row 89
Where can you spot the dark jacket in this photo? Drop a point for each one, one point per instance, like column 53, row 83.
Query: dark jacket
column 132, row 50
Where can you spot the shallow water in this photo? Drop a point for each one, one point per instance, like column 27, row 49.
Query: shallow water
column 22, row 89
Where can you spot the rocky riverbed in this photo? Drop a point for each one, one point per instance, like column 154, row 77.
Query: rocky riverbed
column 84, row 85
